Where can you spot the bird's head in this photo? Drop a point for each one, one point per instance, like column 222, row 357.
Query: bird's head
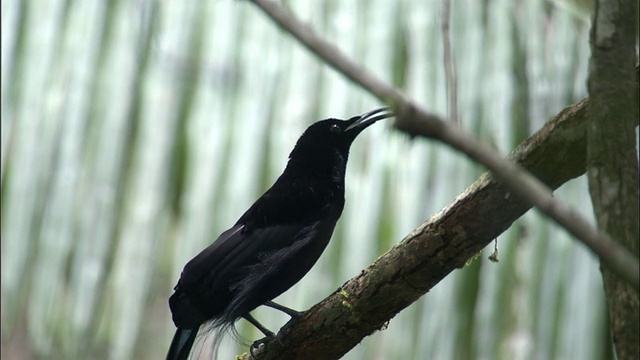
column 328, row 141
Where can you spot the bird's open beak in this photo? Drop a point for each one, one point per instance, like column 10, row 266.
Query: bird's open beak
column 368, row 118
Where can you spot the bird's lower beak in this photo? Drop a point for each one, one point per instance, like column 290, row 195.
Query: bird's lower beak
column 368, row 118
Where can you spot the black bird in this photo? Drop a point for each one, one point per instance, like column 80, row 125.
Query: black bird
column 274, row 243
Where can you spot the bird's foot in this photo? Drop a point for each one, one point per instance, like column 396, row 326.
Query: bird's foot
column 258, row 344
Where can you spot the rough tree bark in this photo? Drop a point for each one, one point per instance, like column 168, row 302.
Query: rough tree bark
column 612, row 160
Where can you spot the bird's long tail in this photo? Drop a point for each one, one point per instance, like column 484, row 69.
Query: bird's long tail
column 181, row 344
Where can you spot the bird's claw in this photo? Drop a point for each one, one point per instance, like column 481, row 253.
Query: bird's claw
column 279, row 338
column 258, row 343
column 261, row 342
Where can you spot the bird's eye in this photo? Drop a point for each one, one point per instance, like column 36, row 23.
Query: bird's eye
column 334, row 128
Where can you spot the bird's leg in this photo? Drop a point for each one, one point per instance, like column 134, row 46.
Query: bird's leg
column 293, row 313
column 284, row 309
column 268, row 333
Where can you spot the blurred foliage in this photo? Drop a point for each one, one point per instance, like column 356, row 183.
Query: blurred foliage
column 134, row 132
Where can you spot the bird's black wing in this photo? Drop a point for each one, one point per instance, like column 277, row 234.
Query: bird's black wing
column 235, row 249
column 206, row 284
column 277, row 224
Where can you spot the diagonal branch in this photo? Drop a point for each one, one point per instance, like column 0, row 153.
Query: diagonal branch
column 413, row 120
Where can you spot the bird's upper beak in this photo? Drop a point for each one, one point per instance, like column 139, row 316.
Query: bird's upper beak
column 362, row 121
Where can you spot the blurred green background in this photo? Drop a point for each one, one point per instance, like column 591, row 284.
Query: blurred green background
column 135, row 131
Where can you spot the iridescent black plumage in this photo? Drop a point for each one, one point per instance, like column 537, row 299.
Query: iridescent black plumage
column 274, row 243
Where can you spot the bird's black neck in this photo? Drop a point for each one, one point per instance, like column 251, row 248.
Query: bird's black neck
column 323, row 167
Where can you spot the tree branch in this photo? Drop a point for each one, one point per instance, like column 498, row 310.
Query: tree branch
column 413, row 120
column 612, row 158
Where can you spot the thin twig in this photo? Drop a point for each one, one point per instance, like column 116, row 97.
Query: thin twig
column 412, row 119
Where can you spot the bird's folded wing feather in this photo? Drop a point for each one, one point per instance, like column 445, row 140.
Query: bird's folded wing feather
column 233, row 251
